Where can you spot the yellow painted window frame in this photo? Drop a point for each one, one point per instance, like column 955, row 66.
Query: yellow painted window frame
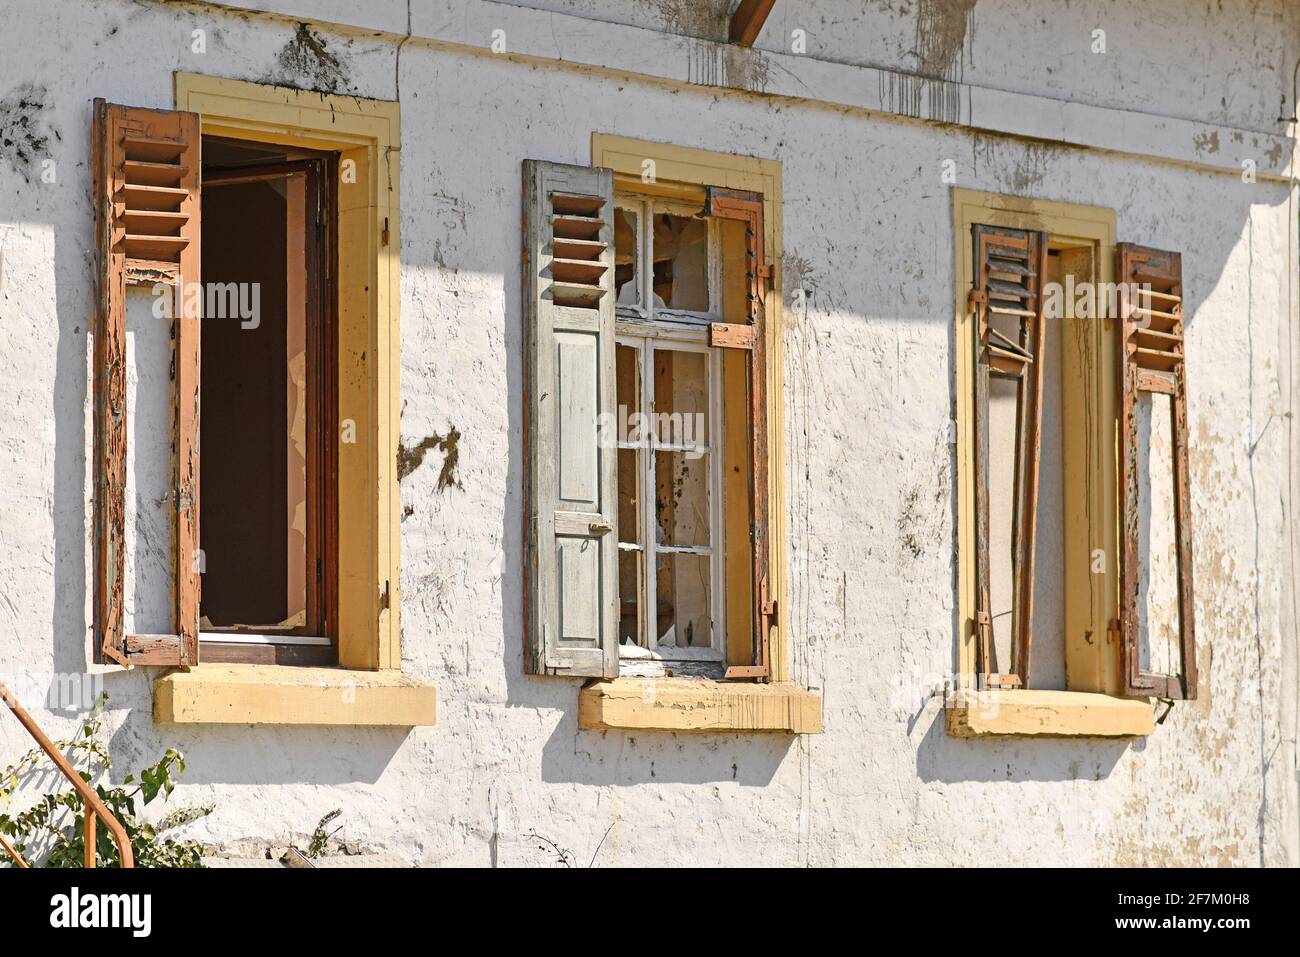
column 1091, row 515
column 367, row 133
column 680, row 704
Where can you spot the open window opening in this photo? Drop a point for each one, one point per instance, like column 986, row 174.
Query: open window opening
column 268, row 466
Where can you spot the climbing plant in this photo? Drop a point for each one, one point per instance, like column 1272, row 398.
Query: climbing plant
column 50, row 831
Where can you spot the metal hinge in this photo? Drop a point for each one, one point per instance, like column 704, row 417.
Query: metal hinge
column 1114, row 631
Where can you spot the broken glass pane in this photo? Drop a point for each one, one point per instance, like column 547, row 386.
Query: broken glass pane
column 681, row 267
column 626, row 257
column 682, row 498
column 682, row 616
column 631, row 631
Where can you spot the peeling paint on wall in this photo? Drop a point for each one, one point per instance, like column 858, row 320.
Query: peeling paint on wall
column 1206, row 142
column 409, row 457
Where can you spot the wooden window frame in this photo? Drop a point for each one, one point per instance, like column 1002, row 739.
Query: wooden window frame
column 315, row 642
column 648, row 328
column 1091, row 524
column 365, row 135
column 688, row 173
column 647, row 341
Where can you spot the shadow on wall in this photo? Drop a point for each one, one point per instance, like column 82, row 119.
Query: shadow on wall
column 285, row 754
column 949, row 760
column 617, row 758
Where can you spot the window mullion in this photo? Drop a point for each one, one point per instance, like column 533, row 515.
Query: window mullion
column 650, row 587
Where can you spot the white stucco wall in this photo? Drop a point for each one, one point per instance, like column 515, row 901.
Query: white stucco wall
column 868, row 234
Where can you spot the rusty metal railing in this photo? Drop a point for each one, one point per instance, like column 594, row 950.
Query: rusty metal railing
column 95, row 809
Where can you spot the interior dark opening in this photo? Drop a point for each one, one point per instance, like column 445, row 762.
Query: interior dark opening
column 267, row 393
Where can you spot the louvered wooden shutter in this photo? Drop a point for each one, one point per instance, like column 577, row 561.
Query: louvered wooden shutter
column 146, row 195
column 1152, row 360
column 1006, row 299
column 747, row 208
column 571, row 570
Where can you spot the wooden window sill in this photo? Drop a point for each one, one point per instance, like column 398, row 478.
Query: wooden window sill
column 1061, row 714
column 698, row 704
column 271, row 694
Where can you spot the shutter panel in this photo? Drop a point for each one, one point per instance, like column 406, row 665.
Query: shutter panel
column 146, row 196
column 571, row 563
column 1009, row 268
column 747, row 207
column 1152, row 360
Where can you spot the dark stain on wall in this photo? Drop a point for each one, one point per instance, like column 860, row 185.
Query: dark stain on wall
column 24, row 139
column 409, row 457
column 944, row 29
column 307, row 61
column 707, row 19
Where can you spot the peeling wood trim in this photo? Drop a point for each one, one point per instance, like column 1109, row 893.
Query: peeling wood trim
column 1159, row 371
column 1046, row 714
column 698, row 705
column 746, row 207
column 168, row 143
column 273, row 694
column 747, row 22
column 1025, row 251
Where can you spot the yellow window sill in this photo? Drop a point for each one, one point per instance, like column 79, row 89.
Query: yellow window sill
column 270, row 694
column 696, row 704
column 1064, row 714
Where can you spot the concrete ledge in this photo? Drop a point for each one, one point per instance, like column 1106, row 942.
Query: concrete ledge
column 271, row 694
column 695, row 704
column 1063, row 714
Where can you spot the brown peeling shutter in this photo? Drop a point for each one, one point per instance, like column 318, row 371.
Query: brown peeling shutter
column 146, row 196
column 1151, row 360
column 747, row 207
column 1006, row 298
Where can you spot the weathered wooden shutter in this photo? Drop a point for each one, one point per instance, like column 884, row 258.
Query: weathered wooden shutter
column 146, row 196
column 1006, row 298
column 747, row 207
column 1152, row 360
column 571, row 563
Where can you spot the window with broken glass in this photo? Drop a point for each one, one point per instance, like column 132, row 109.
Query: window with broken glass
column 670, row 490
